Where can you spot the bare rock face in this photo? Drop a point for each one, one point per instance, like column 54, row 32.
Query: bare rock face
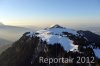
column 28, row 50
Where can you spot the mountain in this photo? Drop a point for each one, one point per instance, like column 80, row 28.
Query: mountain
column 12, row 33
column 9, row 34
column 55, row 43
column 93, row 29
column 92, row 37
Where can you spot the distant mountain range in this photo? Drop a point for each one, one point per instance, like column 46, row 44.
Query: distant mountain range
column 11, row 33
column 53, row 42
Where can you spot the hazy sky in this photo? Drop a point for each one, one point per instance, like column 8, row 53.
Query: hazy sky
column 40, row 12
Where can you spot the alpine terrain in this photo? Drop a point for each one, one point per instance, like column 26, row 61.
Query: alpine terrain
column 54, row 42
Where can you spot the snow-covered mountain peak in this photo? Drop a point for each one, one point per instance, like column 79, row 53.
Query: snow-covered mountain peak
column 57, row 30
column 53, row 43
column 56, row 26
column 55, row 34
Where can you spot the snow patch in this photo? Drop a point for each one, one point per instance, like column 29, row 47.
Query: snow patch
column 97, row 52
column 58, row 31
column 30, row 34
column 64, row 41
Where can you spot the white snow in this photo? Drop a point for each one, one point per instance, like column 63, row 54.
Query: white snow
column 58, row 31
column 55, row 35
column 64, row 41
column 30, row 34
column 97, row 52
column 61, row 30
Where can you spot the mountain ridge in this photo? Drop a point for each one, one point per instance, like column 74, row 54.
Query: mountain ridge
column 12, row 33
column 33, row 45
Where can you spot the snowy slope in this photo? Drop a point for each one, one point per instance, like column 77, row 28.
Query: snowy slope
column 55, row 34
column 97, row 52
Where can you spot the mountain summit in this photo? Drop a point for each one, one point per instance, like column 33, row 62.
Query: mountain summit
column 56, row 26
column 57, row 34
column 53, row 42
